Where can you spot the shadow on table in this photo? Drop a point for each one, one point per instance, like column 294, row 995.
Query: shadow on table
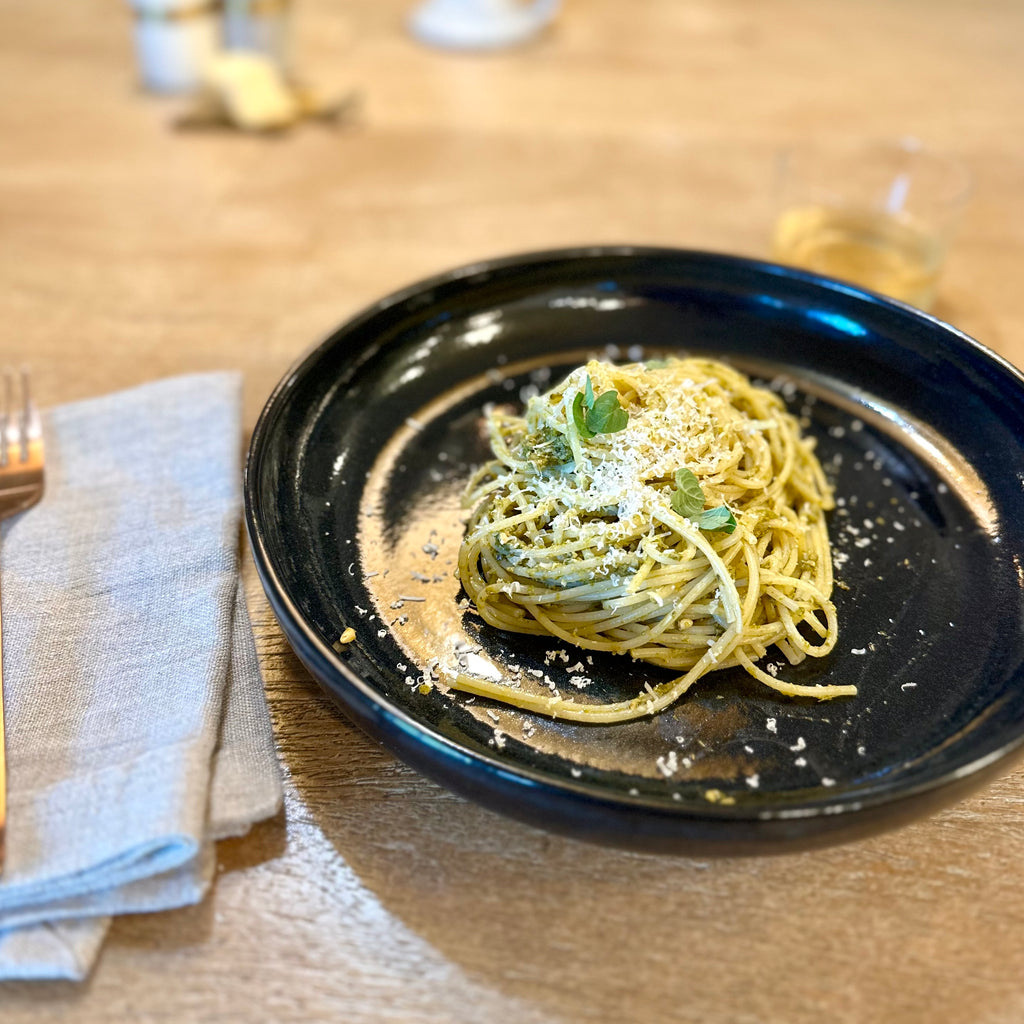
column 897, row 928
column 193, row 925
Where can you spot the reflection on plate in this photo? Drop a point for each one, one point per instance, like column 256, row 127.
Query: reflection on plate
column 353, row 493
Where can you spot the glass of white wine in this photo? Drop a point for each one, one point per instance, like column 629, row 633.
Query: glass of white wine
column 878, row 214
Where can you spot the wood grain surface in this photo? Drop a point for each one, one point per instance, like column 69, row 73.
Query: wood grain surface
column 129, row 251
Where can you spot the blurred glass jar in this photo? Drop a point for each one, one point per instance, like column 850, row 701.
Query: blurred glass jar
column 261, row 26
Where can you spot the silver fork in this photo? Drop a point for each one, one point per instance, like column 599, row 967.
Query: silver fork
column 21, row 486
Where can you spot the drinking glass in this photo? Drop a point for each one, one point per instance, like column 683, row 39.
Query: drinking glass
column 880, row 214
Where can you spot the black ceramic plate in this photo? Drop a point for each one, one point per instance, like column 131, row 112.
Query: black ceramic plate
column 352, row 492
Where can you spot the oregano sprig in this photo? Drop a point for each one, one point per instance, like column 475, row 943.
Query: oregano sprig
column 600, row 415
column 688, row 500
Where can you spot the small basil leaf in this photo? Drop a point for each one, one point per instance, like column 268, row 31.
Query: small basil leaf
column 607, row 416
column 687, row 498
column 717, row 519
column 680, row 505
column 588, row 393
column 579, row 416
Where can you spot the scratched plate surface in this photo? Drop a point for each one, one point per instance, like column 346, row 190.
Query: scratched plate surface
column 353, row 500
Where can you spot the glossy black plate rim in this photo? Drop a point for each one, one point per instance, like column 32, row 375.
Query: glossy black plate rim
column 562, row 805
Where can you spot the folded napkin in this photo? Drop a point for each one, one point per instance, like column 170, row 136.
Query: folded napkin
column 137, row 728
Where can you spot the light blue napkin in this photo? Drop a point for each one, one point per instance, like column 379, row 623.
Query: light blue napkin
column 137, row 728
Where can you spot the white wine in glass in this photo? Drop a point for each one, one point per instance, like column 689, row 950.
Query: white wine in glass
column 888, row 253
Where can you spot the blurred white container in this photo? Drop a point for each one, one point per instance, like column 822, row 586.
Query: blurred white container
column 174, row 41
column 480, row 24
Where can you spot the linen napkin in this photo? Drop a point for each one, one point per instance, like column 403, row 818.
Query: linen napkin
column 137, row 727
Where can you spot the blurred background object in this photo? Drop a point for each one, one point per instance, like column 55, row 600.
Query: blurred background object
column 480, row 24
column 174, row 41
column 880, row 213
column 248, row 91
column 260, row 26
column 177, row 40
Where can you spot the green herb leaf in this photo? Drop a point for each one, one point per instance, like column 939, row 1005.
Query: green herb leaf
column 602, row 415
column 607, row 416
column 717, row 519
column 687, row 498
column 579, row 416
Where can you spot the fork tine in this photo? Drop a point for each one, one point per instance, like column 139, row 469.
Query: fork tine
column 21, row 487
column 29, row 415
column 6, row 403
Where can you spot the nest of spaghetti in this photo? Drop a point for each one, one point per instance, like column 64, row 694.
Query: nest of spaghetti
column 671, row 511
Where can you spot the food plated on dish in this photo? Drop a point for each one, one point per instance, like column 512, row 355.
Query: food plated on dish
column 668, row 510
column 358, row 525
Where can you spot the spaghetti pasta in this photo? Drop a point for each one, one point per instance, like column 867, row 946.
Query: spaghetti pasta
column 671, row 511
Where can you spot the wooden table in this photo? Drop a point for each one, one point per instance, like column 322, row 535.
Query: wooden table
column 130, row 251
